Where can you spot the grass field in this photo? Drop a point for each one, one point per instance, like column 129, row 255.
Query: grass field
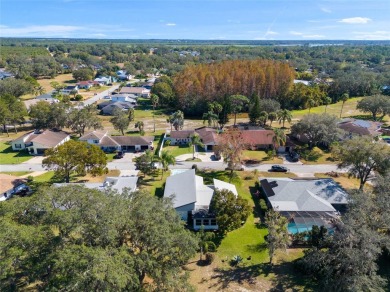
column 62, row 78
column 316, row 156
column 178, row 150
column 8, row 156
column 260, row 156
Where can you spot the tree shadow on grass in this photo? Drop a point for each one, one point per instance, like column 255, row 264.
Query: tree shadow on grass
column 240, row 275
column 289, row 278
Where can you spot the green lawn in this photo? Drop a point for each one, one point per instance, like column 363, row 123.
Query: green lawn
column 8, row 156
column 178, row 150
column 16, row 173
column 316, row 156
column 110, row 156
column 260, row 156
column 154, row 183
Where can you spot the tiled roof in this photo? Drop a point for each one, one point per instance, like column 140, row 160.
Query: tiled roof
column 258, row 137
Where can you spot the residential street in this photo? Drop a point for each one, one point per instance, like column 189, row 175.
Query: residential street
column 99, row 96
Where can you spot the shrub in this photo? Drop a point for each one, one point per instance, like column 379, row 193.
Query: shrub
column 248, row 177
column 167, row 142
column 194, row 166
column 263, row 204
column 30, row 178
column 235, row 260
column 209, row 258
column 78, row 97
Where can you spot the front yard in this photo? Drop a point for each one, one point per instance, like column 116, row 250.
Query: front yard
column 258, row 156
column 8, row 156
column 178, row 150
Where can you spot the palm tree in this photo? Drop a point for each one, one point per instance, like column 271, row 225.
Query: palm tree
column 38, row 90
column 140, row 125
column 343, row 98
column 195, row 141
column 166, row 159
column 272, row 116
column 283, row 116
column 155, row 100
column 327, row 101
column 263, row 117
column 210, row 117
column 237, row 103
column 279, row 138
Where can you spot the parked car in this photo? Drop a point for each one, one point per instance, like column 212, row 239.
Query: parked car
column 278, row 168
column 294, row 156
column 119, row 155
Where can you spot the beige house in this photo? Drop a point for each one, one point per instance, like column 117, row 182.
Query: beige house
column 37, row 142
column 137, row 91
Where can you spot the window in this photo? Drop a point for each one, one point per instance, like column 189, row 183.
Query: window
column 198, row 222
column 213, row 222
column 96, row 141
column 18, row 145
column 206, row 222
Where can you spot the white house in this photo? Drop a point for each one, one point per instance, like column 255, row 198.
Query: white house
column 191, row 198
column 125, row 97
column 118, row 143
column 137, row 91
column 37, row 142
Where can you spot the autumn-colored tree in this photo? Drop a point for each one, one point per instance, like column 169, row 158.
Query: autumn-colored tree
column 231, row 145
column 200, row 84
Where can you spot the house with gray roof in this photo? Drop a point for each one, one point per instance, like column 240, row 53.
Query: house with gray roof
column 356, row 127
column 305, row 202
column 37, row 142
column 118, row 143
column 191, row 198
column 108, row 107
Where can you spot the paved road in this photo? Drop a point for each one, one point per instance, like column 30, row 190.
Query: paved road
column 98, row 96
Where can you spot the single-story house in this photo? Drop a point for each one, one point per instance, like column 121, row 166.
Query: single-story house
column 70, row 89
column 259, row 139
column 116, row 184
column 86, row 84
column 118, row 143
column 36, row 142
column 122, row 75
column 10, row 185
column 305, row 202
column 206, row 134
column 147, row 85
column 125, row 97
column 356, row 127
column 137, row 91
column 104, row 80
column 191, row 198
column 111, row 106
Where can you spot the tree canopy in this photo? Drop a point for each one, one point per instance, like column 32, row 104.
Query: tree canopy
column 375, row 105
column 230, row 211
column 318, row 128
column 77, row 239
column 198, row 85
column 75, row 157
column 362, row 156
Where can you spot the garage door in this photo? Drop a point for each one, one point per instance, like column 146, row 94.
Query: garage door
column 128, row 148
column 144, row 147
column 40, row 151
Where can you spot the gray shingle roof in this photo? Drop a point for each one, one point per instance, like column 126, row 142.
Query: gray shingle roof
column 303, row 195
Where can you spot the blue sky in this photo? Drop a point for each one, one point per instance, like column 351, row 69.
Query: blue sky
column 201, row 19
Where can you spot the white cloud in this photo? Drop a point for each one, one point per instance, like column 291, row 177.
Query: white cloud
column 98, row 35
column 355, row 20
column 170, row 24
column 326, row 10
column 39, row 30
